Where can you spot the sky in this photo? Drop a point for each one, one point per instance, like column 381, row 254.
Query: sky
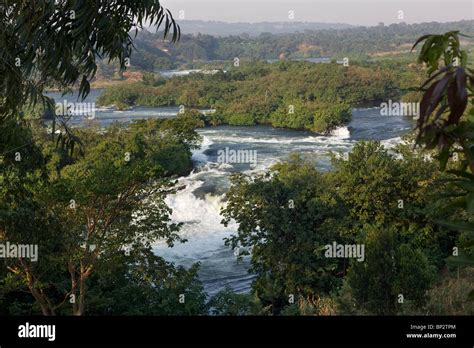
column 355, row 12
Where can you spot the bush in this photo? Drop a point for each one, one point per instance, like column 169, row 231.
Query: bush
column 451, row 295
column 311, row 306
column 227, row 302
column 391, row 269
column 319, row 117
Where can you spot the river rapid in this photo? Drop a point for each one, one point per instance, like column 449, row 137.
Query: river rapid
column 198, row 205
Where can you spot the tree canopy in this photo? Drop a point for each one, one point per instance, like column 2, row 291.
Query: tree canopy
column 57, row 43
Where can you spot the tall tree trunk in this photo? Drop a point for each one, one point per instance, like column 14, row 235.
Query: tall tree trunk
column 72, row 272
column 82, row 293
column 39, row 297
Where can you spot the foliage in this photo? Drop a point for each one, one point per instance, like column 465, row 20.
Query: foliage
column 227, row 302
column 270, row 225
column 391, row 269
column 88, row 211
column 150, row 287
column 311, row 306
column 446, row 123
column 357, row 43
column 450, row 296
column 319, row 95
column 316, row 116
column 152, row 79
column 355, row 203
column 57, row 43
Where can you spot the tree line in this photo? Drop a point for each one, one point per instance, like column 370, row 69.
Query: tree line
column 298, row 95
column 355, row 43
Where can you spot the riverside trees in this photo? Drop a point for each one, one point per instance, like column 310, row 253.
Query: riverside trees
column 83, row 198
column 414, row 219
column 296, row 95
column 99, row 212
column 359, row 195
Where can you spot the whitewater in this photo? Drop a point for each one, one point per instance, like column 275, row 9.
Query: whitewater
column 199, row 203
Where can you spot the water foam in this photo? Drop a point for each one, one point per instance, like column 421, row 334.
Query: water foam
column 391, row 143
column 341, row 132
column 198, row 155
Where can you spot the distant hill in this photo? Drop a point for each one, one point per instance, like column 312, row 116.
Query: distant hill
column 225, row 29
column 362, row 43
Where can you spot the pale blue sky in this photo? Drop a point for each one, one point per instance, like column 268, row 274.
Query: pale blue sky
column 357, row 12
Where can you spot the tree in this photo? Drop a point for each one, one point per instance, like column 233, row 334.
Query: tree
column 151, row 286
column 57, row 43
column 152, row 79
column 106, row 202
column 447, row 124
column 286, row 219
column 84, row 210
column 227, row 302
column 393, row 273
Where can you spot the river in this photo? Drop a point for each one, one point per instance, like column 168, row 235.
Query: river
column 198, row 205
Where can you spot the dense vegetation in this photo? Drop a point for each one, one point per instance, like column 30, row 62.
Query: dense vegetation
column 217, row 28
column 94, row 211
column 297, row 95
column 288, row 217
column 412, row 214
column 83, row 198
column 359, row 43
column 285, row 217
column 93, row 200
column 59, row 44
